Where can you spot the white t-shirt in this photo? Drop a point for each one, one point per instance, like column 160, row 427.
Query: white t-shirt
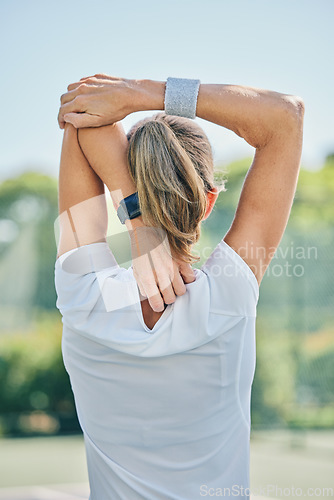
column 165, row 412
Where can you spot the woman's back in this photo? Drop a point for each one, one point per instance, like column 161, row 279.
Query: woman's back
column 165, row 412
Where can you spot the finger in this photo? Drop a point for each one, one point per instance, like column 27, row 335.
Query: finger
column 68, row 96
column 93, row 79
column 89, row 79
column 82, row 120
column 85, row 77
column 73, row 86
column 103, row 76
column 83, row 88
column 77, row 105
column 187, row 273
column 166, row 289
column 154, row 297
column 99, row 75
column 141, row 292
column 61, row 121
column 85, row 84
column 162, row 268
column 178, row 283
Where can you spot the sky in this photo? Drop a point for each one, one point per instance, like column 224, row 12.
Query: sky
column 285, row 46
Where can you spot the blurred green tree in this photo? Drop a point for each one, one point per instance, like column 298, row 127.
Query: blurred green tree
column 28, row 209
column 293, row 385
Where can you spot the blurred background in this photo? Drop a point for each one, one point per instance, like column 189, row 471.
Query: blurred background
column 283, row 46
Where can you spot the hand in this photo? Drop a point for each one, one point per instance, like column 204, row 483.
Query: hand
column 97, row 100
column 159, row 277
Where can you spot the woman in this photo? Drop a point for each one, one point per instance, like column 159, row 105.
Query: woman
column 161, row 357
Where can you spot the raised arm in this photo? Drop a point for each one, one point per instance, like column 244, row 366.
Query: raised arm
column 272, row 123
column 269, row 121
column 81, row 200
column 91, row 158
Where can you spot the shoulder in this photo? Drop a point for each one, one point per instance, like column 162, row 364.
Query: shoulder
column 233, row 286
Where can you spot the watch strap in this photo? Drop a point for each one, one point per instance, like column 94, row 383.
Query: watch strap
column 129, row 208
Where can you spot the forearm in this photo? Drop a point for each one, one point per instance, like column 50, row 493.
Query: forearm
column 82, row 206
column 253, row 114
column 106, row 151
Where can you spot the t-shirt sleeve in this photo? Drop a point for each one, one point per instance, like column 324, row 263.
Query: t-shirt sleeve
column 234, row 289
column 88, row 279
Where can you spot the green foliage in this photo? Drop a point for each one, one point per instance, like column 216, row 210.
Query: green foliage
column 274, row 381
column 290, row 307
column 315, row 378
column 293, row 383
column 222, row 214
column 31, row 201
column 32, row 374
column 312, row 417
column 313, row 204
column 28, row 183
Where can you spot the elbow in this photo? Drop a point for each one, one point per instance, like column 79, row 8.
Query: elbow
column 294, row 108
column 291, row 116
column 298, row 107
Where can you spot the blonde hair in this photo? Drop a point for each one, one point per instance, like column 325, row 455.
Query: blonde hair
column 171, row 162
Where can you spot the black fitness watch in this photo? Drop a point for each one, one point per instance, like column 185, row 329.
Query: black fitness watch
column 129, row 208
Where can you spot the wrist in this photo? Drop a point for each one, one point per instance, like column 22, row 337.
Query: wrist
column 131, row 224
column 150, row 95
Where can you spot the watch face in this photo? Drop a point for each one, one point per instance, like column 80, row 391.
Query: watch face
column 129, row 208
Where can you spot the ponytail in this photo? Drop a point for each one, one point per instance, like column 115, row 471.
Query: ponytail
column 170, row 161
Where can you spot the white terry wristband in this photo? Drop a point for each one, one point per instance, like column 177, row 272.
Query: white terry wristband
column 181, row 97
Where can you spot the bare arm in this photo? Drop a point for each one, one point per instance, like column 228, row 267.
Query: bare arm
column 82, row 206
column 269, row 121
column 272, row 123
column 106, row 148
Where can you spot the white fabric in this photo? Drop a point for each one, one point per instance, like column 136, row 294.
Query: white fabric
column 165, row 412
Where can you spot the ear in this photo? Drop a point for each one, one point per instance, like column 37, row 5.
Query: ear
column 211, row 198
